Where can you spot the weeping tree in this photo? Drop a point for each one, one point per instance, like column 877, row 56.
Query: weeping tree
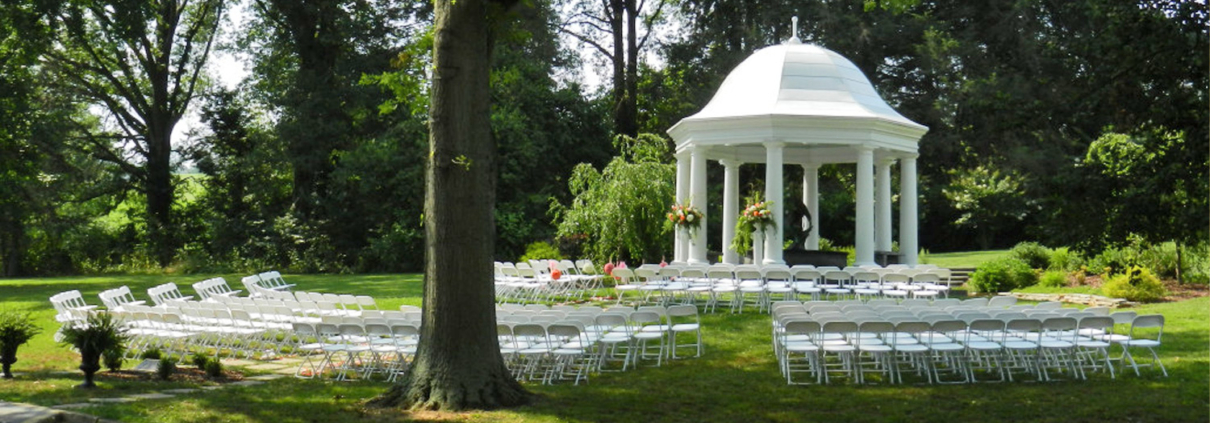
column 621, row 209
column 458, row 363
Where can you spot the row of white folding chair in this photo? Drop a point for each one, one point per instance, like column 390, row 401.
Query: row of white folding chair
column 389, row 346
column 214, row 287
column 166, row 292
column 115, row 298
column 347, row 301
column 996, row 345
column 68, row 304
column 549, row 351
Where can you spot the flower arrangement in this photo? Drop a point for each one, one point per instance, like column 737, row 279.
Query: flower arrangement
column 756, row 216
column 685, row 216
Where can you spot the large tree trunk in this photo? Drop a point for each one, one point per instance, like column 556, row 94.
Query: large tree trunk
column 630, row 108
column 159, row 196
column 458, row 364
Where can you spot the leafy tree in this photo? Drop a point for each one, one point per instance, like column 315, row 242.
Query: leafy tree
column 990, row 201
column 140, row 62
column 1155, row 181
column 458, row 363
column 621, row 209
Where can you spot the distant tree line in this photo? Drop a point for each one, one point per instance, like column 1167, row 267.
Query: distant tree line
column 1077, row 123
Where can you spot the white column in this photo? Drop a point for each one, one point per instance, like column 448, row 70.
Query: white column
column 730, row 208
column 774, row 193
column 697, row 198
column 865, row 206
column 907, row 210
column 810, row 198
column 681, row 252
column 882, row 222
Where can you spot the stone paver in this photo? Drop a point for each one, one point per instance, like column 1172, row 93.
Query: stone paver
column 266, row 377
column 267, row 366
column 181, row 391
column 151, row 395
column 288, row 371
column 75, row 406
column 113, row 400
column 238, row 362
column 27, row 413
column 211, row 388
column 247, row 383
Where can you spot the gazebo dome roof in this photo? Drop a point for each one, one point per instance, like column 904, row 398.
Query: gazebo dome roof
column 802, row 95
column 798, row 80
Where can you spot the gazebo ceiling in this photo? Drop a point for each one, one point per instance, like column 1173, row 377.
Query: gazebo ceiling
column 815, row 101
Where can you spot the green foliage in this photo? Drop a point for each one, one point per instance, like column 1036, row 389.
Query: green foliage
column 1002, row 275
column 1053, row 279
column 541, row 250
column 152, row 353
column 1137, row 284
column 112, row 358
column 989, row 200
column 200, row 360
column 214, row 369
column 754, row 216
column 621, row 209
column 166, row 368
column 16, row 328
column 1036, row 255
column 1065, row 259
column 92, row 337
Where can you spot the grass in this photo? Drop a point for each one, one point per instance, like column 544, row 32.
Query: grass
column 737, row 379
column 963, row 258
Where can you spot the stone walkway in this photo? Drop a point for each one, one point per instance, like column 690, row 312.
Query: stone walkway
column 26, row 413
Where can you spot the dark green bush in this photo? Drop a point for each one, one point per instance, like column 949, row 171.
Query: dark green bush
column 1053, row 279
column 1136, row 284
column 1002, row 275
column 1064, row 259
column 152, row 353
column 166, row 368
column 200, row 361
column 1036, row 255
column 112, row 358
column 214, row 369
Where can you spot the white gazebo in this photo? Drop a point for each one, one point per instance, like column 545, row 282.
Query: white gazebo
column 805, row 105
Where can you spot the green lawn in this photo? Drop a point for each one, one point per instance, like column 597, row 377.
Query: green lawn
column 963, row 258
column 737, row 379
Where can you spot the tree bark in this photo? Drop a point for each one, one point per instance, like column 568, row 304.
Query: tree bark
column 458, row 364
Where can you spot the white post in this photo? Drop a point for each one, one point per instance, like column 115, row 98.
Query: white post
column 758, row 247
column 730, row 208
column 773, row 192
column 882, row 223
column 810, row 198
column 681, row 250
column 865, row 206
column 907, row 210
column 697, row 198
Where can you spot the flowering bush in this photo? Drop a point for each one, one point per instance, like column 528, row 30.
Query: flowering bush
column 685, row 216
column 755, row 217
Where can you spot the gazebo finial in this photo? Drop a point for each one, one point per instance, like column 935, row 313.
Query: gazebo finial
column 794, row 32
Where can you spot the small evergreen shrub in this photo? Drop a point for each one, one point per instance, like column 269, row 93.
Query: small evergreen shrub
column 200, row 361
column 152, row 353
column 1064, row 259
column 1053, row 279
column 1002, row 275
column 112, row 358
column 1036, row 255
column 214, row 369
column 166, row 368
column 541, row 250
column 1136, row 284
column 16, row 328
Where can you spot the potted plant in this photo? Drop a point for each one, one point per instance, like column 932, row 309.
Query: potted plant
column 753, row 221
column 15, row 330
column 92, row 338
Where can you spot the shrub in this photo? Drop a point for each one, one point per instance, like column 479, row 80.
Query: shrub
column 541, row 250
column 152, row 353
column 166, row 368
column 1036, row 255
column 15, row 330
column 200, row 361
column 214, row 369
column 1197, row 278
column 1113, row 259
column 112, row 358
column 1001, row 275
column 1064, row 259
column 1053, row 279
column 1137, row 284
column 92, row 338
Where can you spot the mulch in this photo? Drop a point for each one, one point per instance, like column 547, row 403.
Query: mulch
column 183, row 374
